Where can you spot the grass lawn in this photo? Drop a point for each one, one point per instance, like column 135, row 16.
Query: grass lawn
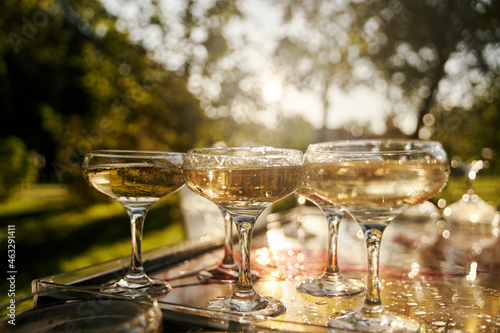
column 487, row 187
column 51, row 237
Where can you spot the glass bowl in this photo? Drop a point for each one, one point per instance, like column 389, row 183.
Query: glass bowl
column 82, row 310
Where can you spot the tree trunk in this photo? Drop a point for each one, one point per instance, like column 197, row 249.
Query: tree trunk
column 427, row 102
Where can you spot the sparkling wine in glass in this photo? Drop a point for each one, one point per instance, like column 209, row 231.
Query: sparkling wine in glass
column 331, row 283
column 374, row 181
column 244, row 181
column 136, row 179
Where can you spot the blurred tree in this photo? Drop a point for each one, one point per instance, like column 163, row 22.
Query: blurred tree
column 72, row 82
column 470, row 134
column 437, row 61
column 196, row 48
column 418, row 46
column 314, row 51
column 78, row 76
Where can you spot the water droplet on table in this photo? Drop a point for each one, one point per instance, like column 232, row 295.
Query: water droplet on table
column 311, row 308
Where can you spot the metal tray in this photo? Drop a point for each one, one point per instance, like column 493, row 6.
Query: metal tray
column 424, row 275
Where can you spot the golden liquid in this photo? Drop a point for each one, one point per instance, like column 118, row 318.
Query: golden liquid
column 310, row 195
column 377, row 186
column 253, row 188
column 135, row 181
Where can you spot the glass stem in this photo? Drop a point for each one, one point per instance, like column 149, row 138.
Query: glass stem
column 137, row 216
column 228, row 260
column 373, row 235
column 332, row 269
column 244, row 287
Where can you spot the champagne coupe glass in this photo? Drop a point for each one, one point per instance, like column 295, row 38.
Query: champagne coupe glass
column 227, row 271
column 136, row 179
column 330, row 283
column 244, row 181
column 374, row 181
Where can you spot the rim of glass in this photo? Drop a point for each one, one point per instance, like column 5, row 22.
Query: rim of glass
column 272, row 150
column 131, row 153
column 416, row 146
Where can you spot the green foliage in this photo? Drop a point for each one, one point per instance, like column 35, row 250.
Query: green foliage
column 18, row 165
column 71, row 82
column 471, row 134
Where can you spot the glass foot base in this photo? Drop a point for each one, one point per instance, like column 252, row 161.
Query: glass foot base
column 385, row 322
column 148, row 286
column 219, row 275
column 323, row 287
column 223, row 275
column 259, row 306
